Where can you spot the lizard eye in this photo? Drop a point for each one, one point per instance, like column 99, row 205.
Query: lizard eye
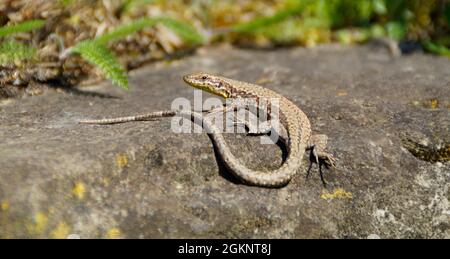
column 204, row 77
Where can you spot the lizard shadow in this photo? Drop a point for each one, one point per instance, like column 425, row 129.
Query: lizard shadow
column 227, row 175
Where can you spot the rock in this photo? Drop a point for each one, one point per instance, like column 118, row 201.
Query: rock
column 373, row 236
column 387, row 120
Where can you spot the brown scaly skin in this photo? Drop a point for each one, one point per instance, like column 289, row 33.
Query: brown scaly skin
column 293, row 119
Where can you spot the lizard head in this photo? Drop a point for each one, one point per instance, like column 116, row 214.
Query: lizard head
column 210, row 83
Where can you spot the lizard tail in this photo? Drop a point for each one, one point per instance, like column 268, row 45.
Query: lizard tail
column 141, row 117
column 276, row 178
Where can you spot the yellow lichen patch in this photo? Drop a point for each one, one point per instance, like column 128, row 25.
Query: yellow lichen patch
column 79, row 190
column 121, row 160
column 431, row 104
column 434, row 104
column 5, row 205
column 342, row 93
column 114, row 233
column 105, row 181
column 61, row 231
column 39, row 224
column 336, row 194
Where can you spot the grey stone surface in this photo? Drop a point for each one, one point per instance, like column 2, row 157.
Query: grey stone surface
column 387, row 118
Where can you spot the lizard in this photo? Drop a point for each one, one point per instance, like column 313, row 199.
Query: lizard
column 297, row 135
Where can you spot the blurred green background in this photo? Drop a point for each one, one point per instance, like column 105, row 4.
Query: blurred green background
column 311, row 22
column 258, row 22
column 54, row 29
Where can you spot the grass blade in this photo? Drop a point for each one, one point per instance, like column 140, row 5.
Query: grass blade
column 21, row 27
column 187, row 32
column 436, row 48
column 263, row 22
column 124, row 30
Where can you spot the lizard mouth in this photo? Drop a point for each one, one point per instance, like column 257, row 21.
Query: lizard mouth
column 194, row 81
column 187, row 79
column 211, row 90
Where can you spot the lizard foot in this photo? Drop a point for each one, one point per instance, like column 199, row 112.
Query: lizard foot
column 320, row 157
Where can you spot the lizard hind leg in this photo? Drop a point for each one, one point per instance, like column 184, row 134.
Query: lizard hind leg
column 317, row 146
column 261, row 128
column 318, row 155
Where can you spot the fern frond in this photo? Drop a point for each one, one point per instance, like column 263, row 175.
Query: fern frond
column 21, row 27
column 95, row 50
column 186, row 31
column 12, row 52
column 101, row 57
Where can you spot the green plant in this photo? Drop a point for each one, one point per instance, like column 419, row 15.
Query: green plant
column 265, row 21
column 436, row 48
column 21, row 27
column 130, row 5
column 184, row 30
column 100, row 56
column 96, row 52
column 12, row 51
column 124, row 30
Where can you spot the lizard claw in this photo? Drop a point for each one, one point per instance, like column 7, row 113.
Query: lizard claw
column 320, row 158
column 328, row 160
